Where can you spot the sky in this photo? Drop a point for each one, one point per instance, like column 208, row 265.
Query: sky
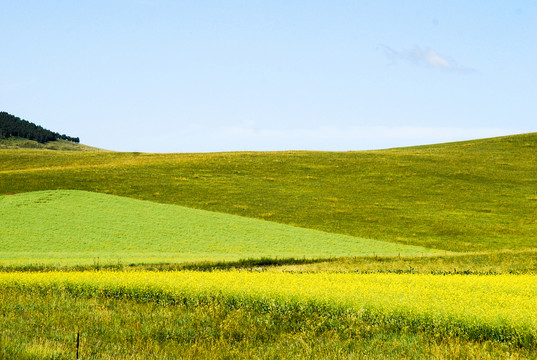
column 204, row 76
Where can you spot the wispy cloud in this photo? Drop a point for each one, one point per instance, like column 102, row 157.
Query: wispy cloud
column 426, row 57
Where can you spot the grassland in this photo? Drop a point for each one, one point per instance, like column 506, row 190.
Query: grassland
column 469, row 196
column 477, row 198
column 468, row 308
column 483, row 263
column 78, row 227
column 499, row 307
column 44, row 326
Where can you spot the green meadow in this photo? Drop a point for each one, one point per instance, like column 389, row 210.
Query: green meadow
column 468, row 196
column 439, row 212
column 44, row 326
column 78, row 227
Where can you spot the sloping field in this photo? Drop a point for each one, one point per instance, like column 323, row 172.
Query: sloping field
column 77, row 227
column 467, row 196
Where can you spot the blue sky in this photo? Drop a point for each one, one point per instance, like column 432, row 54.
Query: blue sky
column 196, row 76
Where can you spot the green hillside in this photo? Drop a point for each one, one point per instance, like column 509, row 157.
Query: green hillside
column 466, row 196
column 81, row 227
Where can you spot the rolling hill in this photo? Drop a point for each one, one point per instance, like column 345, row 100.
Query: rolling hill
column 57, row 209
column 465, row 196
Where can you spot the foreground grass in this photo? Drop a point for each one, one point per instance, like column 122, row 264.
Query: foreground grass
column 45, row 326
column 76, row 227
column 469, row 196
column 499, row 307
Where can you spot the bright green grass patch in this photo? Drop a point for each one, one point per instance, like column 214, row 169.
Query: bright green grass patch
column 83, row 227
column 468, row 196
column 495, row 307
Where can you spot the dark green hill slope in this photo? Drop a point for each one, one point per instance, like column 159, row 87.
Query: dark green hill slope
column 473, row 195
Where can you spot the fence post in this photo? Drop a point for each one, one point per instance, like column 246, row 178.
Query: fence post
column 77, row 344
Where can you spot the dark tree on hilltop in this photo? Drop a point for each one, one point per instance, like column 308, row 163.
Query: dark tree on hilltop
column 11, row 125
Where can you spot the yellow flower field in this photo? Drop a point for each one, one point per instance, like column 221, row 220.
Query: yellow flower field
column 499, row 307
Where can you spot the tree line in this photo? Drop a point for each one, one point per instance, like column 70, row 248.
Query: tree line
column 11, row 125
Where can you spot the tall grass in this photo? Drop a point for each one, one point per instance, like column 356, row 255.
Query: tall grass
column 45, row 327
column 499, row 307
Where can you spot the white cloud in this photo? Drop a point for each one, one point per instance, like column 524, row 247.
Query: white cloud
column 426, row 57
column 434, row 59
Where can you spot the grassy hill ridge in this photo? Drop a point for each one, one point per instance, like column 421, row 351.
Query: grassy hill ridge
column 21, row 143
column 473, row 195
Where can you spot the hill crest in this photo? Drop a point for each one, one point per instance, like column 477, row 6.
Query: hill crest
column 26, row 144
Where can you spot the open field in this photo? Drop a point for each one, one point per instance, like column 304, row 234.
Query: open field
column 78, row 227
column 475, row 198
column 489, row 309
column 495, row 307
column 469, row 196
column 44, row 326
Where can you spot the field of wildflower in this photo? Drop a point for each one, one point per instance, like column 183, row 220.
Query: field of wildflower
column 475, row 307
